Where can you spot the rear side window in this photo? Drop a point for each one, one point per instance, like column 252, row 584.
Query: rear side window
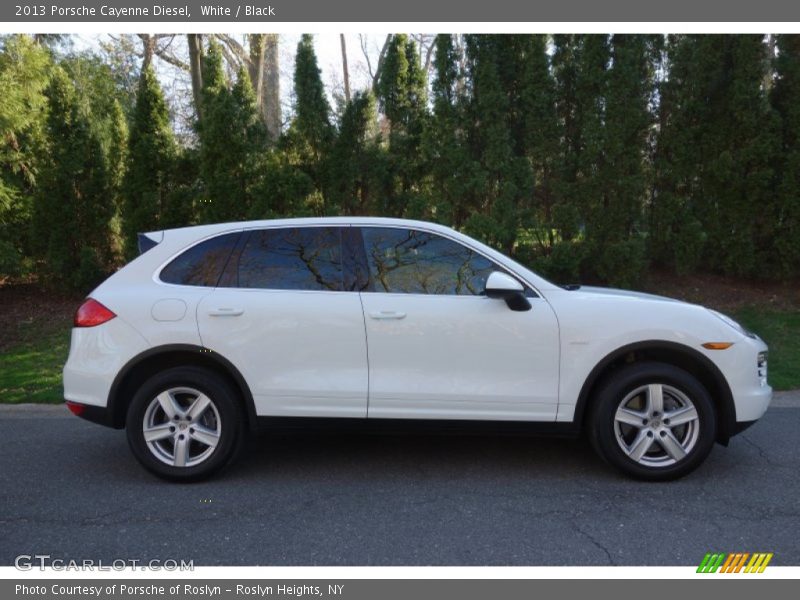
column 406, row 261
column 202, row 264
column 296, row 258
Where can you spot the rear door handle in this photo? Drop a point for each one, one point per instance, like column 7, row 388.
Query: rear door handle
column 225, row 312
column 387, row 314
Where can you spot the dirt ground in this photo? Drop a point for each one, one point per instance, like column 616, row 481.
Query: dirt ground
column 724, row 293
column 26, row 307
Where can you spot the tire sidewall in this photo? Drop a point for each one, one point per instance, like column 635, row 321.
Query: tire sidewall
column 625, row 381
column 223, row 397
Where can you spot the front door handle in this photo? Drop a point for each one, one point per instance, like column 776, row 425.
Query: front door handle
column 387, row 314
column 225, row 312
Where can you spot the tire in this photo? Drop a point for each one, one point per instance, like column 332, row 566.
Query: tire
column 194, row 423
column 629, row 431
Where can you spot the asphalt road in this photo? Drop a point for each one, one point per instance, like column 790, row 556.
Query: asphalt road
column 71, row 489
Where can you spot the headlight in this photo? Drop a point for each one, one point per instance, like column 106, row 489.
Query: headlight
column 761, row 362
column 726, row 319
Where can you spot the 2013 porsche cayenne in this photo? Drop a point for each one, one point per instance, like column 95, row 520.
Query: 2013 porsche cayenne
column 215, row 329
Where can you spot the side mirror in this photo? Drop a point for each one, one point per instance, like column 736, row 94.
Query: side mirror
column 504, row 287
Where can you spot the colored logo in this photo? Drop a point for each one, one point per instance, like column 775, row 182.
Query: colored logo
column 735, row 562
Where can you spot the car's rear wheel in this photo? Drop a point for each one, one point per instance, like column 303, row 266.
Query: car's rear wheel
column 184, row 424
column 653, row 421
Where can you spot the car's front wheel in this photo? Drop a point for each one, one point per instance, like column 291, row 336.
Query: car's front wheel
column 653, row 421
column 184, row 424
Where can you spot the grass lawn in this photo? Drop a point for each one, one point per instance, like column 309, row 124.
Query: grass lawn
column 30, row 366
column 30, row 369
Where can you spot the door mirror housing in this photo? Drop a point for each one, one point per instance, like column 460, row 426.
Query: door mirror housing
column 504, row 287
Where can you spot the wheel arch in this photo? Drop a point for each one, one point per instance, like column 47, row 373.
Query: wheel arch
column 159, row 358
column 672, row 353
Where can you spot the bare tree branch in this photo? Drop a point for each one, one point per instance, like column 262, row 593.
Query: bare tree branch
column 362, row 39
column 234, row 52
column 374, row 75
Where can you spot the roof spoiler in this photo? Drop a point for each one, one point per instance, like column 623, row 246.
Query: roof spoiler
column 149, row 240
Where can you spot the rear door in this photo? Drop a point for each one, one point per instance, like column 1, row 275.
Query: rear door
column 285, row 316
column 438, row 348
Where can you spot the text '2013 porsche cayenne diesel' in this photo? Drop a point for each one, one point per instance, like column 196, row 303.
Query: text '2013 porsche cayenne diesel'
column 215, row 330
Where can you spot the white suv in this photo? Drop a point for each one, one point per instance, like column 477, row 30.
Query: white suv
column 216, row 330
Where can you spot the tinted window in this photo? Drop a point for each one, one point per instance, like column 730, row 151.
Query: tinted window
column 202, row 264
column 307, row 258
column 416, row 262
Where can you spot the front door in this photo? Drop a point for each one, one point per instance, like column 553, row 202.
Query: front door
column 439, row 349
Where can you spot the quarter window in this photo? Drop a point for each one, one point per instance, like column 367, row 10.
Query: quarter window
column 297, row 258
column 202, row 264
column 417, row 262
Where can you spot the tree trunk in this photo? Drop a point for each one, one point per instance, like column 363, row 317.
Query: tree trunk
column 345, row 69
column 148, row 49
column 271, row 89
column 255, row 68
column 195, row 41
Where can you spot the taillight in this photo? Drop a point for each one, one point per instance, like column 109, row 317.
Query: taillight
column 75, row 408
column 92, row 313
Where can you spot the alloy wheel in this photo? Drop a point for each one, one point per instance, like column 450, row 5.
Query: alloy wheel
column 182, row 427
column 656, row 425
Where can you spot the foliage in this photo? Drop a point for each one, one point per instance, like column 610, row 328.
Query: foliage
column 445, row 143
column 24, row 73
column 232, row 143
column 588, row 157
column 785, row 95
column 402, row 95
column 356, row 161
column 72, row 213
column 714, row 169
column 150, row 160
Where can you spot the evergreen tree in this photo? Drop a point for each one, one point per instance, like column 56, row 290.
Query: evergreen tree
column 551, row 222
column 505, row 177
column 720, row 143
column 312, row 124
column 356, row 158
column 402, row 93
column 150, row 157
column 445, row 146
column 73, row 208
column 232, row 143
column 247, row 145
column 117, row 158
column 614, row 224
column 310, row 134
column 24, row 73
column 214, row 133
column 786, row 249
column 675, row 235
column 579, row 86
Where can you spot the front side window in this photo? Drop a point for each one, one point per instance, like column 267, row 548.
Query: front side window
column 296, row 258
column 202, row 264
column 407, row 261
